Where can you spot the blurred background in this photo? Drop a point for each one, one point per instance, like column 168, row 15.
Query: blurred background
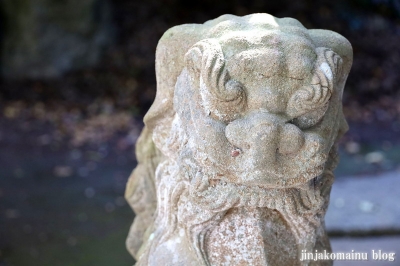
column 76, row 78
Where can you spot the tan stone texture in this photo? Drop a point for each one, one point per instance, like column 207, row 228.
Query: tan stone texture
column 235, row 162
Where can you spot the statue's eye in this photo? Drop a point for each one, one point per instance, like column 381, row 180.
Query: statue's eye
column 310, row 119
column 308, row 105
column 308, row 99
column 226, row 109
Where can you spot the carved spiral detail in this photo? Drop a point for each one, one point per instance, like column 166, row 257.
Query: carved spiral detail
column 327, row 70
column 307, row 99
column 222, row 95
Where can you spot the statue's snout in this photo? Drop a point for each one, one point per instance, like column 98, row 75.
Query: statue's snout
column 264, row 135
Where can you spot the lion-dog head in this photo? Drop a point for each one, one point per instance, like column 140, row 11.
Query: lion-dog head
column 246, row 107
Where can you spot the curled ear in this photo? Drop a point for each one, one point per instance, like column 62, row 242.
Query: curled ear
column 326, row 74
column 338, row 44
column 327, row 68
column 222, row 96
column 206, row 60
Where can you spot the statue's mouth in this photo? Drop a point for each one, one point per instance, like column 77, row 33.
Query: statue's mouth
column 245, row 172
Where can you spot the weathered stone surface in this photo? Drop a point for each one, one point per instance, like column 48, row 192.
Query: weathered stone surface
column 46, row 38
column 237, row 155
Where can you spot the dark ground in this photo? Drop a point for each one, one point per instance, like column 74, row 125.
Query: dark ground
column 66, row 145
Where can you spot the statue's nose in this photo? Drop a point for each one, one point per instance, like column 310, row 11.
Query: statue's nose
column 264, row 135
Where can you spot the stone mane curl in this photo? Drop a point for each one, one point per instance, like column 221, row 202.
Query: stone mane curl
column 206, row 63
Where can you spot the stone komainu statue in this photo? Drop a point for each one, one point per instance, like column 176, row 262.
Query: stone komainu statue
column 235, row 161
